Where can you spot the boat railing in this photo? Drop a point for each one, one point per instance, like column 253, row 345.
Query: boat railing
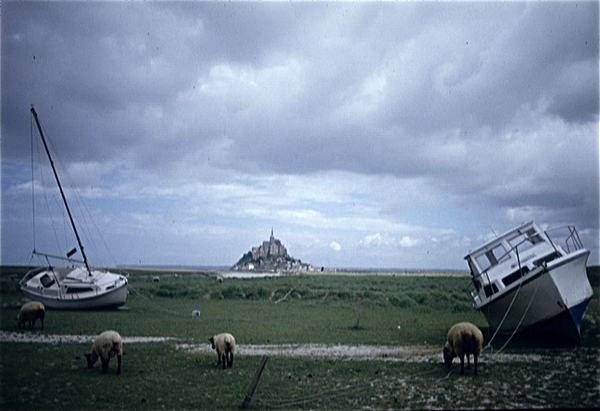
column 475, row 293
column 568, row 234
column 30, row 274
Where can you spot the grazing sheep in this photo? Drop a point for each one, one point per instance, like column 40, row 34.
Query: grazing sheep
column 224, row 344
column 463, row 339
column 107, row 345
column 219, row 279
column 156, row 278
column 30, row 312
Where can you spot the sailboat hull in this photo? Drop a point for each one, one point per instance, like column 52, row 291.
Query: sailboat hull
column 108, row 300
column 75, row 289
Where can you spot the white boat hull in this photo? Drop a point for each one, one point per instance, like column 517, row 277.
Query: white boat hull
column 553, row 299
column 74, row 289
column 112, row 299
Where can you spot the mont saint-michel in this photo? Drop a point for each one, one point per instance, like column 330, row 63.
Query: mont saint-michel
column 270, row 256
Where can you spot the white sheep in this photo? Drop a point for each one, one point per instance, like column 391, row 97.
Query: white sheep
column 30, row 312
column 224, row 344
column 219, row 279
column 463, row 339
column 107, row 345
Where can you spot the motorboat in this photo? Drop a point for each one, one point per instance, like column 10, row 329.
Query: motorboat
column 532, row 279
column 76, row 287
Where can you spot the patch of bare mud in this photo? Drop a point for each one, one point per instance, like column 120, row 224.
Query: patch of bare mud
column 413, row 354
column 355, row 352
column 416, row 353
column 39, row 338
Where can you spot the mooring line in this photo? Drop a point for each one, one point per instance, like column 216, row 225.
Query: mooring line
column 520, row 321
column 336, row 392
column 153, row 304
column 489, row 344
column 319, row 396
column 158, row 307
column 522, row 318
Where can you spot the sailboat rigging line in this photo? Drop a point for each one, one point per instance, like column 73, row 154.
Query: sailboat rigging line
column 78, row 207
column 36, row 150
column 86, row 216
column 32, row 181
column 37, row 121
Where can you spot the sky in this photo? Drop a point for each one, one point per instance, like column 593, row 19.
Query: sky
column 388, row 135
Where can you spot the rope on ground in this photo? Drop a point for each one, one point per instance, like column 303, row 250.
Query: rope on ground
column 285, row 296
column 159, row 308
column 153, row 305
column 336, row 392
column 325, row 395
column 447, row 376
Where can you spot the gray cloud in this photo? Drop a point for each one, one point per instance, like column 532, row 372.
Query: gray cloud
column 494, row 104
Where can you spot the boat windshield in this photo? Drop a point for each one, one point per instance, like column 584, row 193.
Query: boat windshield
column 47, row 281
column 524, row 241
column 513, row 245
column 492, row 257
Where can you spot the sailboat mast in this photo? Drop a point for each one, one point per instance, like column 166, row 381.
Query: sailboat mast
column 37, row 122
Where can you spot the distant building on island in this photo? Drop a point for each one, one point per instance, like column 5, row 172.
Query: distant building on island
column 270, row 256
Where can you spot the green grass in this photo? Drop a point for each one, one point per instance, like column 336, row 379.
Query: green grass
column 319, row 309
column 154, row 375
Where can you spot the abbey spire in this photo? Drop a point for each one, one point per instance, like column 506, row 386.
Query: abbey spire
column 270, row 256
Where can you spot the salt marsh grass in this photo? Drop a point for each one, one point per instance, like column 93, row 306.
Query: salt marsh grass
column 393, row 311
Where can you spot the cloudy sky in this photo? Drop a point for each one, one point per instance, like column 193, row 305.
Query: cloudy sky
column 367, row 135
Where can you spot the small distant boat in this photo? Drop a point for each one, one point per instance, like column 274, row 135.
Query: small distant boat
column 525, row 280
column 77, row 288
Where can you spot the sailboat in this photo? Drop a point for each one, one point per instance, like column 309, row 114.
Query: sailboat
column 77, row 288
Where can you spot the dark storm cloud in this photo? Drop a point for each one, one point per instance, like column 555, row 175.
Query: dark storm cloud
column 488, row 104
column 112, row 69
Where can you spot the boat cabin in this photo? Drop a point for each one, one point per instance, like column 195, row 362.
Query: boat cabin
column 503, row 261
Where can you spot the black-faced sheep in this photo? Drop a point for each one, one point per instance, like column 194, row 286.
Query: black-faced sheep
column 463, row 339
column 107, row 345
column 224, row 344
column 30, row 312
